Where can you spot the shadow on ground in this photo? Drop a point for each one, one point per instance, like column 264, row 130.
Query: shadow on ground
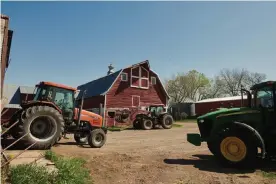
column 20, row 145
column 209, row 163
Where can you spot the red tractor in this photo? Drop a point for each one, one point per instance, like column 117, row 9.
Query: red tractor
column 152, row 117
column 51, row 114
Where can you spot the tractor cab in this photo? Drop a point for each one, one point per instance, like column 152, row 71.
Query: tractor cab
column 264, row 99
column 156, row 110
column 60, row 95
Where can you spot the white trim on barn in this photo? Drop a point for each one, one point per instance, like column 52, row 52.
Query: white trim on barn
column 140, row 78
column 126, row 75
column 104, row 109
column 113, row 83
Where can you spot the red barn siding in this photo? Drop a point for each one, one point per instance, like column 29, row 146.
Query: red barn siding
column 205, row 107
column 120, row 95
column 93, row 102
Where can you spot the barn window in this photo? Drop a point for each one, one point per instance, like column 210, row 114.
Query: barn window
column 153, row 80
column 140, row 77
column 124, row 76
column 135, row 101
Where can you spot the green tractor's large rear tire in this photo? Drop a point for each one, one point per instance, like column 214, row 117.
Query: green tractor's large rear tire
column 167, row 121
column 236, row 149
column 45, row 126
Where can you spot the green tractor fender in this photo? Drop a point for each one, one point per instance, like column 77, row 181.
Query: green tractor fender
column 238, row 125
column 256, row 134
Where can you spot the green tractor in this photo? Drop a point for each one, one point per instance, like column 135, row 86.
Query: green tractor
column 237, row 136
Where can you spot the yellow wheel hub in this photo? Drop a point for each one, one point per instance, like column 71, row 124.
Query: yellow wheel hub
column 233, row 149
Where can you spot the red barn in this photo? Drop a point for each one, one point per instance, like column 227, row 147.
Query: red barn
column 207, row 105
column 136, row 86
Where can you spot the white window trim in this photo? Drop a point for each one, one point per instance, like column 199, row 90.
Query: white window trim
column 132, row 100
column 140, row 77
column 152, row 77
column 123, row 73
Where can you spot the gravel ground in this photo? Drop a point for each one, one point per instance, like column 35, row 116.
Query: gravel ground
column 155, row 157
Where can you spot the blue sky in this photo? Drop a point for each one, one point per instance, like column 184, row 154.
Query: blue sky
column 74, row 42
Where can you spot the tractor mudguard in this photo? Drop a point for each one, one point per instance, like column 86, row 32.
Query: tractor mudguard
column 256, row 133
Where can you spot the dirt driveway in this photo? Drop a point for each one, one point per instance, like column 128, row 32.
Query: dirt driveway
column 155, row 157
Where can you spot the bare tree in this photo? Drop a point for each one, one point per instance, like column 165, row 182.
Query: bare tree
column 233, row 79
column 212, row 90
column 254, row 78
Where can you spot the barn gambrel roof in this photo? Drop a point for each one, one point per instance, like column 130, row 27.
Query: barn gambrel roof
column 101, row 86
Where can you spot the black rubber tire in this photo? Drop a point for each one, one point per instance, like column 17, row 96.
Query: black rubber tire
column 147, row 124
column 251, row 150
column 33, row 113
column 136, row 124
column 212, row 148
column 80, row 140
column 94, row 135
column 167, row 121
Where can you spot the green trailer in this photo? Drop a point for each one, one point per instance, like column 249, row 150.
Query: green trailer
column 237, row 136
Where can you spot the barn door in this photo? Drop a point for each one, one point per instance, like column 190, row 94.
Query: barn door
column 135, row 101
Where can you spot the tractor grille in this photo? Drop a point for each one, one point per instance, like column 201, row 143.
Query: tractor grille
column 205, row 128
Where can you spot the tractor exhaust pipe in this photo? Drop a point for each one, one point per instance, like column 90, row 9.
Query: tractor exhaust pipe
column 80, row 108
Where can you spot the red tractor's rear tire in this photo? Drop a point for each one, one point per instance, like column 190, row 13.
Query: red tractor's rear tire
column 167, row 121
column 45, row 125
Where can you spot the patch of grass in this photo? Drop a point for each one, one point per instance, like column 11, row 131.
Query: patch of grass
column 30, row 173
column 187, row 121
column 177, row 125
column 70, row 171
column 271, row 175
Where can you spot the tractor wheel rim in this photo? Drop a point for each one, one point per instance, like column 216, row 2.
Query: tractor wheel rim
column 233, row 149
column 148, row 124
column 98, row 139
column 43, row 128
column 168, row 121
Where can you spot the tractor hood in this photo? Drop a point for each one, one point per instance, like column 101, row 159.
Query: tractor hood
column 88, row 116
column 224, row 111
